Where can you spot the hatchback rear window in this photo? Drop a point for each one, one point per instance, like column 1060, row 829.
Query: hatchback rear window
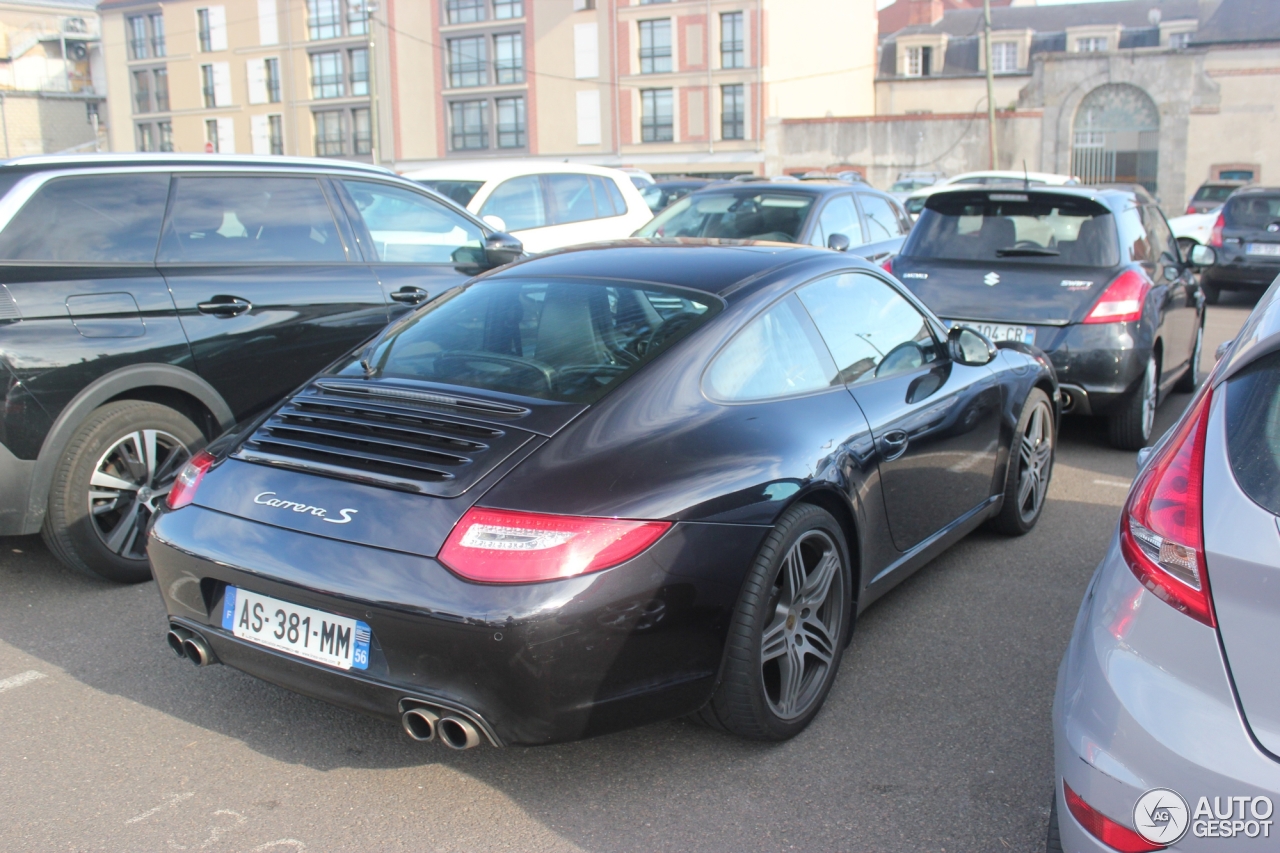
column 1015, row 226
column 1214, row 193
column 567, row 341
column 459, row 192
column 772, row 216
column 1253, row 431
column 1251, row 211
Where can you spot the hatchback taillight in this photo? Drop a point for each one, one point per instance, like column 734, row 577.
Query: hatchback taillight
column 1117, row 836
column 1191, row 208
column 184, row 487
column 887, row 266
column 1215, row 236
column 1122, row 300
column 504, row 546
column 1161, row 527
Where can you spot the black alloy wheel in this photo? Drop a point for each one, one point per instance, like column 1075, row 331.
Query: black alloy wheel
column 1030, row 467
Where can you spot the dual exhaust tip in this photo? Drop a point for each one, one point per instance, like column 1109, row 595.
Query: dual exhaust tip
column 425, row 725
column 190, row 645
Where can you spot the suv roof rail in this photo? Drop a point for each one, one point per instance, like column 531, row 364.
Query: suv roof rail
column 191, row 159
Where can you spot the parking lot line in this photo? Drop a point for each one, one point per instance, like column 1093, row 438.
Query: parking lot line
column 20, row 679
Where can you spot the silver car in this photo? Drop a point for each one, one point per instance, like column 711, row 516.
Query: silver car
column 1167, row 713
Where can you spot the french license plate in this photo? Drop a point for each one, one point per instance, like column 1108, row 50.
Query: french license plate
column 1262, row 249
column 311, row 634
column 1000, row 331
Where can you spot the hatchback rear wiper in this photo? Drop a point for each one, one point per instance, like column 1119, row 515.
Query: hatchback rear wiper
column 1026, row 251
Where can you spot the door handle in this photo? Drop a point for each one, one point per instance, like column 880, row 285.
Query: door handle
column 409, row 295
column 893, row 444
column 225, row 306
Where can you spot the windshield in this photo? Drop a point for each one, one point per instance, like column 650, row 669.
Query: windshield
column 460, row 192
column 766, row 215
column 907, row 186
column 555, row 340
column 1044, row 229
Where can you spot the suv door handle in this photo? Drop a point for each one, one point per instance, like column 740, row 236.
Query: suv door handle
column 225, row 306
column 893, row 444
column 409, row 295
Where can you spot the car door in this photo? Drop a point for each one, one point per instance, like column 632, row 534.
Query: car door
column 265, row 287
column 1182, row 299
column 838, row 216
column 883, row 225
column 936, row 423
column 416, row 247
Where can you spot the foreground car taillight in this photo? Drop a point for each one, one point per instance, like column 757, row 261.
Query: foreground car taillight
column 887, row 265
column 1161, row 530
column 1215, row 236
column 1122, row 300
column 504, row 546
column 1114, row 835
column 184, row 487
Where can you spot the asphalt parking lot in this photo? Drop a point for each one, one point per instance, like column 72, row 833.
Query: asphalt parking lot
column 936, row 736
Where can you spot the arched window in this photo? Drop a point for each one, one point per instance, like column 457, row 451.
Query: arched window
column 1115, row 137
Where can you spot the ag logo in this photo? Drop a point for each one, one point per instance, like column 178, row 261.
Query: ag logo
column 991, row 279
column 1161, row 816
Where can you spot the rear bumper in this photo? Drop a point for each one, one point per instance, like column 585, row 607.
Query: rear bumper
column 1238, row 271
column 536, row 663
column 1097, row 364
column 15, row 494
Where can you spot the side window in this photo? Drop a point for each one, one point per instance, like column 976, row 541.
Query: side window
column 608, row 204
column 840, row 216
column 410, row 228
column 90, row 219
column 904, row 219
column 1133, row 236
column 615, row 195
column 777, row 354
column 1160, row 236
column 250, row 220
column 573, row 199
column 882, row 219
column 519, row 202
column 869, row 328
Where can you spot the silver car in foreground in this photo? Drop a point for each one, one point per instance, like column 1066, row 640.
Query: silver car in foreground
column 1167, row 714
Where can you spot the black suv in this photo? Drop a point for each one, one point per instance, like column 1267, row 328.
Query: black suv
column 149, row 302
column 1247, row 239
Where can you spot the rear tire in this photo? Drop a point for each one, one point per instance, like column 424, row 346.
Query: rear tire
column 1026, row 482
column 787, row 636
column 1190, row 380
column 1129, row 428
column 117, row 468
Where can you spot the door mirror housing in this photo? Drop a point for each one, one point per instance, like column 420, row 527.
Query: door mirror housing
column 1202, row 256
column 970, row 347
column 497, row 223
column 501, row 248
column 838, row 243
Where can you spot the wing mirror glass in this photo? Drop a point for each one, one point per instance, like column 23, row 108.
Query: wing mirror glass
column 1203, row 256
column 838, row 243
column 970, row 347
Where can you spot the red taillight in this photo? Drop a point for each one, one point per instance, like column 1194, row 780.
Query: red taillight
column 1215, row 237
column 1161, row 531
column 503, row 546
column 887, row 266
column 184, row 487
column 1122, row 300
column 1114, row 835
column 1191, row 208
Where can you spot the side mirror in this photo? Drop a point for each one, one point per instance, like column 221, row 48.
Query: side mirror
column 838, row 243
column 501, row 248
column 970, row 347
column 1202, row 256
column 1222, row 349
column 497, row 223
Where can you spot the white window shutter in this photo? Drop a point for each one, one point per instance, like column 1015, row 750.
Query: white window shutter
column 217, row 27
column 222, row 84
column 256, row 75
column 586, row 50
column 260, row 130
column 268, row 22
column 226, row 136
column 589, row 117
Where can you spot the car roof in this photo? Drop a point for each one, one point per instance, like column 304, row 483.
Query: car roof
column 1113, row 196
column 710, row 265
column 810, row 186
column 45, row 162
column 1052, row 178
column 1255, row 190
column 500, row 170
column 1260, row 336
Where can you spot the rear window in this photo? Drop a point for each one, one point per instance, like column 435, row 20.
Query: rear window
column 460, row 192
column 1251, row 211
column 1253, row 431
column 553, row 340
column 1015, row 226
column 1213, row 193
column 734, row 216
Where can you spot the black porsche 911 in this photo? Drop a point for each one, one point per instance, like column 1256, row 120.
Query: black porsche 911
column 604, row 487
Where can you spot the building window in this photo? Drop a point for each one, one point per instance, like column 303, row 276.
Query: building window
column 1096, row 44
column 511, row 130
column 508, row 58
column 161, row 76
column 211, row 133
column 504, row 9
column 733, row 52
column 207, row 87
column 468, row 62
column 655, row 46
column 1178, row 41
column 157, row 36
column 360, row 72
column 733, row 112
column 1004, row 57
column 166, row 135
column 583, row 5
column 273, row 80
column 330, row 139
column 275, row 129
column 357, row 19
column 469, row 129
column 205, row 30
column 146, row 138
column 361, row 131
column 326, row 75
column 324, row 19
column 142, row 92
column 464, row 11
column 138, row 46
column 919, row 61
column 656, row 116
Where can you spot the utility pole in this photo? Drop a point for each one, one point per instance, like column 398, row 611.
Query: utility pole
column 369, row 8
column 991, row 97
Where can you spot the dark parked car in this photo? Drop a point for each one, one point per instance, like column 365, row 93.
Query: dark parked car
column 830, row 213
column 560, row 501
column 1091, row 276
column 659, row 195
column 1247, row 240
column 1212, row 194
column 149, row 302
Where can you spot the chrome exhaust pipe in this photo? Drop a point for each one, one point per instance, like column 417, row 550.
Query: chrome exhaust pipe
column 420, row 723
column 175, row 638
column 457, row 733
column 198, row 651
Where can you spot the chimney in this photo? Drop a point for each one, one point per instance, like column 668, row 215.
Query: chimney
column 925, row 12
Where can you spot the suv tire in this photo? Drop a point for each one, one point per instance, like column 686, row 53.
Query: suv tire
column 1131, row 425
column 118, row 466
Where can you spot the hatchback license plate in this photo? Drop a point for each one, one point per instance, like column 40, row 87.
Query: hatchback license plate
column 1000, row 331
column 301, row 631
column 1262, row 248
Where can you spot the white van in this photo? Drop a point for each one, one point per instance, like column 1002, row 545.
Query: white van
column 544, row 205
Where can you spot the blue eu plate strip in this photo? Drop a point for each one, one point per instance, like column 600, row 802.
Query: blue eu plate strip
column 229, row 609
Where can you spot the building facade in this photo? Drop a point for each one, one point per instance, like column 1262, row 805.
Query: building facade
column 683, row 86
